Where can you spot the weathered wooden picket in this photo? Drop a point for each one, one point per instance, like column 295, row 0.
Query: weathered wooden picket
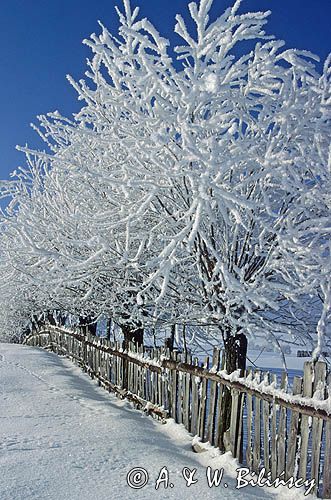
column 286, row 432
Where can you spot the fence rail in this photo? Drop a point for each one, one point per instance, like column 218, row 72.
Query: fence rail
column 286, row 432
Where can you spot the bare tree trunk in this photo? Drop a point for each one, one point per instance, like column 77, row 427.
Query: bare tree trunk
column 235, row 349
column 170, row 341
column 184, row 342
column 108, row 328
column 92, row 326
column 62, row 318
column 234, row 358
column 50, row 318
column 88, row 325
column 37, row 323
column 133, row 334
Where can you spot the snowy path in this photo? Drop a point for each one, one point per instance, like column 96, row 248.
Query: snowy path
column 62, row 437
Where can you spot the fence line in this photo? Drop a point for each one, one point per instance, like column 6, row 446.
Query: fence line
column 267, row 426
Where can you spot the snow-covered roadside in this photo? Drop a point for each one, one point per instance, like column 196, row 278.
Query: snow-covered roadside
column 62, row 437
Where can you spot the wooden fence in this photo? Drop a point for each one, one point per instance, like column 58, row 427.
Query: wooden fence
column 288, row 432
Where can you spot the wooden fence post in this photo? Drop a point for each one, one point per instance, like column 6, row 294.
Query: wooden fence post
column 203, row 401
column 292, row 444
column 327, row 452
column 213, row 399
column 319, row 385
column 249, row 401
column 307, row 391
column 281, row 442
column 257, row 429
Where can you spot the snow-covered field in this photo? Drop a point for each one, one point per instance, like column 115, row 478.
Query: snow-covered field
column 62, row 437
column 266, row 360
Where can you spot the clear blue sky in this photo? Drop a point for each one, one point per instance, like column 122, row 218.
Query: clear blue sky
column 40, row 43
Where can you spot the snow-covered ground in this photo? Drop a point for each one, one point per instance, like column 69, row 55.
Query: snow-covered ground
column 62, row 437
column 266, row 360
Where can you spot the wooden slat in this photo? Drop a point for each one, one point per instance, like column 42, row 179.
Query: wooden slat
column 307, row 391
column 327, row 452
column 166, row 381
column 138, row 375
column 239, row 450
column 217, row 414
column 213, row 399
column 148, row 384
column 111, row 368
column 114, row 368
column 257, row 429
column 234, row 421
column 167, row 386
column 203, row 401
column 118, row 366
column 98, row 362
column 180, row 394
column 187, row 391
column 90, row 360
column 249, row 403
column 85, row 353
column 282, row 430
column 142, row 376
column 108, row 367
column 273, row 450
column 292, row 445
column 266, row 429
column 130, row 374
column 195, row 401
column 105, row 357
column 174, row 381
column 120, row 370
column 102, row 359
column 186, row 400
column 319, row 383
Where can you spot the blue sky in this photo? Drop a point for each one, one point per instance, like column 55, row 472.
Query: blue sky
column 41, row 42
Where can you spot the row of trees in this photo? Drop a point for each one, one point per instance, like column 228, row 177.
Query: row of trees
column 194, row 191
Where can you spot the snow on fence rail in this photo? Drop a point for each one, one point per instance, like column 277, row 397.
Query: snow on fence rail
column 287, row 433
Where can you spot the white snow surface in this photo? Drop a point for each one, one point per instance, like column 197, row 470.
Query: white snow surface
column 266, row 360
column 63, row 437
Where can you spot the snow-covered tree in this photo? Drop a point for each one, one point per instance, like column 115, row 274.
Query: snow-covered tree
column 219, row 154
